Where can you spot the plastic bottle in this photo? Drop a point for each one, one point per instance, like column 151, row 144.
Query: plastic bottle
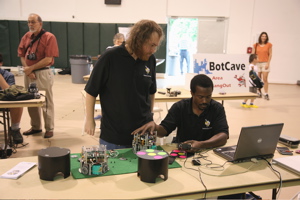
column 53, row 70
column 20, row 70
column 91, row 67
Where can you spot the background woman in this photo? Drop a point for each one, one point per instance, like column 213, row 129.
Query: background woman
column 264, row 51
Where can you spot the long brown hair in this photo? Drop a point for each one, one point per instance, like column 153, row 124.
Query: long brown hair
column 140, row 33
column 259, row 38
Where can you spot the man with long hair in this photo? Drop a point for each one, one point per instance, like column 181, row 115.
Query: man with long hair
column 124, row 78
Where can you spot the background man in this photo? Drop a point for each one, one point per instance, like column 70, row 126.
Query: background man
column 118, row 39
column 124, row 78
column 184, row 45
column 7, row 79
column 37, row 50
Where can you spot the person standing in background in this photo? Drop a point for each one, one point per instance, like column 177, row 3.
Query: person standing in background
column 184, row 45
column 252, row 67
column 37, row 50
column 263, row 49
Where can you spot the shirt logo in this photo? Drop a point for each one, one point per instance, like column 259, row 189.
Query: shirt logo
column 207, row 123
column 147, row 70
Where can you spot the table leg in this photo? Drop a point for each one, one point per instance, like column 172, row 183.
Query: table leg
column 274, row 193
column 7, row 136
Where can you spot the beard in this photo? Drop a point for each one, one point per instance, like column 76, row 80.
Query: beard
column 145, row 57
column 142, row 55
column 32, row 30
column 203, row 106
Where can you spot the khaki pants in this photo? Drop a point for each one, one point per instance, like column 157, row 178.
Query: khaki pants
column 44, row 82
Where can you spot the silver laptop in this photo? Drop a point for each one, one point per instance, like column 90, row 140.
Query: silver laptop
column 291, row 163
column 254, row 142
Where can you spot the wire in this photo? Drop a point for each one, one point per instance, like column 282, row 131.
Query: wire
column 296, row 196
column 279, row 176
column 214, row 166
column 200, row 178
column 227, row 174
column 48, row 140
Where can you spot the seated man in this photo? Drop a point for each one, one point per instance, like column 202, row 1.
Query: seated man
column 200, row 120
column 7, row 79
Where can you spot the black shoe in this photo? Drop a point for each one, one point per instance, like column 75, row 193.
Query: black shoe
column 65, row 71
column 31, row 131
column 267, row 97
column 16, row 135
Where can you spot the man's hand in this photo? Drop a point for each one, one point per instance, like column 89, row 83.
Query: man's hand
column 195, row 145
column 89, row 127
column 27, row 70
column 150, row 126
column 32, row 75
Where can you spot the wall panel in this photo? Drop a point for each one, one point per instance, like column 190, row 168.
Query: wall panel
column 75, row 38
column 91, row 39
column 14, row 40
column 107, row 33
column 4, row 42
column 59, row 29
column 72, row 38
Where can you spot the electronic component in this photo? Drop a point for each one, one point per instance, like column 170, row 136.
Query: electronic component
column 196, row 162
column 289, row 141
column 171, row 159
column 145, row 141
column 161, row 92
column 284, row 151
column 93, row 160
column 185, row 146
column 178, row 153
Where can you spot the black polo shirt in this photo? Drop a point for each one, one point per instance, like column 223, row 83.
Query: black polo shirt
column 124, row 85
column 192, row 127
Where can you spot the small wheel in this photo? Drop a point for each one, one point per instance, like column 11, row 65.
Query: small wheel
column 85, row 170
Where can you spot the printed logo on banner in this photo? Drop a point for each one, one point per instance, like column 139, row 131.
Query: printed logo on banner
column 202, row 67
column 227, row 71
column 241, row 80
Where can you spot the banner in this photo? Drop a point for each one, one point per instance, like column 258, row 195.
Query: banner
column 229, row 72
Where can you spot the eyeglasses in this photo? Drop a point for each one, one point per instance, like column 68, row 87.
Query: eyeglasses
column 31, row 22
column 151, row 46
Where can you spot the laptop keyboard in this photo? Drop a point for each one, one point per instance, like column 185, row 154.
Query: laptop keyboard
column 229, row 153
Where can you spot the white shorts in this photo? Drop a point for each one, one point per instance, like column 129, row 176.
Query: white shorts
column 261, row 67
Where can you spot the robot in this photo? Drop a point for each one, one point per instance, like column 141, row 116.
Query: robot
column 142, row 142
column 93, row 160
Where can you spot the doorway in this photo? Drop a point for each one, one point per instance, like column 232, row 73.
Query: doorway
column 188, row 36
column 181, row 45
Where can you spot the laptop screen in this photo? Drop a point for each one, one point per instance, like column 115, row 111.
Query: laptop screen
column 257, row 141
column 254, row 142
